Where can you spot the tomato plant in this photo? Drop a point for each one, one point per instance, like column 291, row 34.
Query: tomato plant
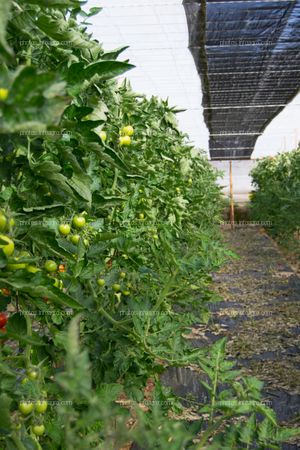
column 275, row 201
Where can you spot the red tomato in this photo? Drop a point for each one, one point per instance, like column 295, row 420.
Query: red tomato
column 3, row 320
column 5, row 292
column 61, row 268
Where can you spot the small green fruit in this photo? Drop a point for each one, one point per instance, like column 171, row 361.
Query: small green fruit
column 124, row 141
column 78, row 221
column 64, row 229
column 50, row 266
column 116, row 287
column 75, row 239
column 38, row 430
column 41, row 406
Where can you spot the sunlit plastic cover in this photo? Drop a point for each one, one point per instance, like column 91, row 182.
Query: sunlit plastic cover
column 247, row 55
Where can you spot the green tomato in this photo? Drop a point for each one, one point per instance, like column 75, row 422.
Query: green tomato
column 75, row 238
column 122, row 275
column 116, row 287
column 79, row 221
column 50, row 266
column 126, row 293
column 141, row 216
column 25, row 380
column 103, row 135
column 178, row 190
column 64, row 229
column 190, row 181
column 38, row 430
column 32, row 269
column 41, row 406
column 125, row 141
column 9, row 247
column 32, row 374
column 101, row 282
column 155, row 236
column 128, row 130
column 26, row 407
column 3, row 94
column 3, row 222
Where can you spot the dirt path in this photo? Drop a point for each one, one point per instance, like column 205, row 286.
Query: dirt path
column 260, row 316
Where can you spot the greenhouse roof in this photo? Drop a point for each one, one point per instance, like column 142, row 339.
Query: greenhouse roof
column 247, row 55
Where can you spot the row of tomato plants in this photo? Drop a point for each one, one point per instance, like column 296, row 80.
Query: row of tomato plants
column 108, row 234
column 276, row 197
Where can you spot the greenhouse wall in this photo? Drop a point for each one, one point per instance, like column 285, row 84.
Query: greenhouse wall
column 241, row 178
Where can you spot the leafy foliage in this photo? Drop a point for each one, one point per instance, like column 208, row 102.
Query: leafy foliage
column 277, row 195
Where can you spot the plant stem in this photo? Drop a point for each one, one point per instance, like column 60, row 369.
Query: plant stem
column 28, row 346
column 104, row 313
column 215, row 384
column 114, row 185
column 207, row 434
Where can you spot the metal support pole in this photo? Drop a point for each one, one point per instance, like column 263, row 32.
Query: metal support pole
column 231, row 196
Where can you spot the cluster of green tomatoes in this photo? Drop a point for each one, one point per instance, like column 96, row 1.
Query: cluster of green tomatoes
column 6, row 243
column 125, row 136
column 117, row 287
column 78, row 222
column 33, row 410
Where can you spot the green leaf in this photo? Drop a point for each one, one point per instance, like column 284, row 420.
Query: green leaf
column 113, row 54
column 52, row 173
column 59, row 29
column 107, row 69
column 81, row 185
column 46, row 240
column 117, row 160
column 16, row 329
column 39, row 285
column 31, row 106
column 267, row 412
column 109, row 393
column 104, row 69
column 106, row 152
column 93, row 11
column 107, row 201
column 283, row 434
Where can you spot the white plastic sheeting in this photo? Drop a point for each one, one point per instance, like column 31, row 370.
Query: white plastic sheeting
column 156, row 31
